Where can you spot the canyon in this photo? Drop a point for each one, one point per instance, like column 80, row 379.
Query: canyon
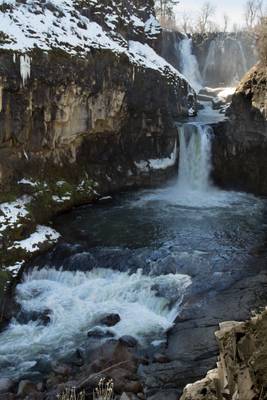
column 101, row 242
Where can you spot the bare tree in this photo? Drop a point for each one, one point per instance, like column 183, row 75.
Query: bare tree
column 253, row 12
column 185, row 23
column 203, row 22
column 164, row 8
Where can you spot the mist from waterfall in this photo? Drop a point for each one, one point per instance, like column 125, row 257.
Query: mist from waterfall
column 226, row 62
column 189, row 64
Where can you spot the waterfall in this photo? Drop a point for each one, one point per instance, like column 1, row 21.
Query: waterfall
column 189, row 64
column 195, row 157
column 226, row 62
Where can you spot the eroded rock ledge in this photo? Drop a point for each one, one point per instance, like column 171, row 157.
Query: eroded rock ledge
column 241, row 372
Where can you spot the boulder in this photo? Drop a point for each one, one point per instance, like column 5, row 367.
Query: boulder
column 128, row 340
column 26, row 388
column 5, row 385
column 98, row 333
column 110, row 320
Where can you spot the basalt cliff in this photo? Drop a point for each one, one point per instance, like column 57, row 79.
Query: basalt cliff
column 239, row 154
column 87, row 107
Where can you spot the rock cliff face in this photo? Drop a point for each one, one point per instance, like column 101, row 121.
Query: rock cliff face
column 86, row 108
column 240, row 146
column 241, row 372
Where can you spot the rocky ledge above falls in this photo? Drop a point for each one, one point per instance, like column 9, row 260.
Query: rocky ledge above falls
column 240, row 146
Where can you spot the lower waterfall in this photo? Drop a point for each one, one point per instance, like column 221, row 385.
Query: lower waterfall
column 195, row 157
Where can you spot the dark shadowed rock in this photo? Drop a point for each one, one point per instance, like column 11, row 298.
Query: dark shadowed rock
column 128, row 341
column 5, row 385
column 110, row 320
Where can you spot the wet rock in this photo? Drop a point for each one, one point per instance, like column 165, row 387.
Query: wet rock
column 42, row 317
column 161, row 358
column 165, row 395
column 99, row 333
column 128, row 341
column 124, row 396
column 82, row 261
column 110, row 320
column 40, row 386
column 141, row 396
column 5, row 385
column 26, row 388
column 61, row 369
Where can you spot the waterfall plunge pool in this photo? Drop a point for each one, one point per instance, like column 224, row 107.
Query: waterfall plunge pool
column 185, row 252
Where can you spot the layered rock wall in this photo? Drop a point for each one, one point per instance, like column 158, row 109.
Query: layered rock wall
column 241, row 372
column 240, row 146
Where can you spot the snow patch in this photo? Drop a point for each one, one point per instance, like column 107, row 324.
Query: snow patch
column 14, row 269
column 29, row 182
column 13, row 212
column 158, row 163
column 42, row 235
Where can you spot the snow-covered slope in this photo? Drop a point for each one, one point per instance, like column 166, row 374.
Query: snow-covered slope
column 79, row 26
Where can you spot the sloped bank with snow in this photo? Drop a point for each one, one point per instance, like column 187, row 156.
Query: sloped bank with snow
column 84, row 100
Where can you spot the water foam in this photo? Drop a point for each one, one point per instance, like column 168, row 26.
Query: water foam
column 76, row 301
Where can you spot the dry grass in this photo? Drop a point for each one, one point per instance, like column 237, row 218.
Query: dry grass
column 71, row 394
column 104, row 390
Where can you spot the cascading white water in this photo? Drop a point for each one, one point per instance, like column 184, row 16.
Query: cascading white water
column 189, row 64
column 76, row 301
column 195, row 157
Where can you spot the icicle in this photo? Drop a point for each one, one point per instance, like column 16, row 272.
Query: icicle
column 25, row 68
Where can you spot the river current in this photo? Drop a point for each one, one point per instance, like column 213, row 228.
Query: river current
column 145, row 256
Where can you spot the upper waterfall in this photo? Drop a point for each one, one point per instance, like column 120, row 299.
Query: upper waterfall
column 189, row 64
column 226, row 61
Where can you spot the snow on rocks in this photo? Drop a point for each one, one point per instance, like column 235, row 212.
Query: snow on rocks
column 152, row 27
column 158, row 163
column 11, row 213
column 14, row 269
column 43, row 234
column 29, row 182
column 35, row 25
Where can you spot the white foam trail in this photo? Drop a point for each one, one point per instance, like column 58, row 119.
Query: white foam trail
column 190, row 68
column 77, row 300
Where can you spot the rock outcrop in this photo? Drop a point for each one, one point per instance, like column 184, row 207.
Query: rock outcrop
column 240, row 145
column 241, row 373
